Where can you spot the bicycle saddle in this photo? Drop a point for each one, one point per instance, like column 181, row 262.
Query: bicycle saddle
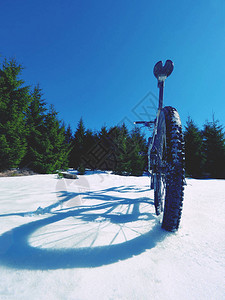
column 161, row 71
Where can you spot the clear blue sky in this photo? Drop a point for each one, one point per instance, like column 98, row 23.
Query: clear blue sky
column 94, row 59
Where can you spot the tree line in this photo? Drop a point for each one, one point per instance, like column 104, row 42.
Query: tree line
column 32, row 136
column 114, row 149
column 205, row 150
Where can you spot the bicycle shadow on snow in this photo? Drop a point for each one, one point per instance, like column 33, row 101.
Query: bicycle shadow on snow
column 16, row 251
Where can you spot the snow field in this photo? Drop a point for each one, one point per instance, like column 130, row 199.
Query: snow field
column 98, row 238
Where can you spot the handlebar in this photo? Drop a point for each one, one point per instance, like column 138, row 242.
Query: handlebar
column 145, row 123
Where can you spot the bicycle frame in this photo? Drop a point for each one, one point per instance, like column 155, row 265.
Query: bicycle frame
column 166, row 156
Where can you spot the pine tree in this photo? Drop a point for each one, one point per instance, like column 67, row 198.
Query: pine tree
column 69, row 140
column 68, row 135
column 52, row 151
column 78, row 145
column 98, row 150
column 194, row 158
column 35, row 127
column 121, row 148
column 105, row 150
column 137, row 152
column 14, row 101
column 90, row 142
column 214, row 149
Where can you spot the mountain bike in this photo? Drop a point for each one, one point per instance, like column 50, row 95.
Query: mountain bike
column 166, row 156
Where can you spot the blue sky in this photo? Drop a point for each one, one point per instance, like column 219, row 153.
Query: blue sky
column 94, row 59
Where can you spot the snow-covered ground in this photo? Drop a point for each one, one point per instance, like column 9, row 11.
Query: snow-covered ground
column 97, row 237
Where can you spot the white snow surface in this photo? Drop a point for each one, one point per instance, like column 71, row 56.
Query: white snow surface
column 97, row 237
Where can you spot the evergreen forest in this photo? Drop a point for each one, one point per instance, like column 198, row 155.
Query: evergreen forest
column 33, row 137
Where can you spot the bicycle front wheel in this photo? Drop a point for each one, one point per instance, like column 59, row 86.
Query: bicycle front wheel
column 169, row 172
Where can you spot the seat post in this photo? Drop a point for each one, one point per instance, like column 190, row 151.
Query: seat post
column 161, row 90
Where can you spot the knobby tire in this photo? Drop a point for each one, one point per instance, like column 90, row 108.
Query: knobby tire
column 169, row 172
